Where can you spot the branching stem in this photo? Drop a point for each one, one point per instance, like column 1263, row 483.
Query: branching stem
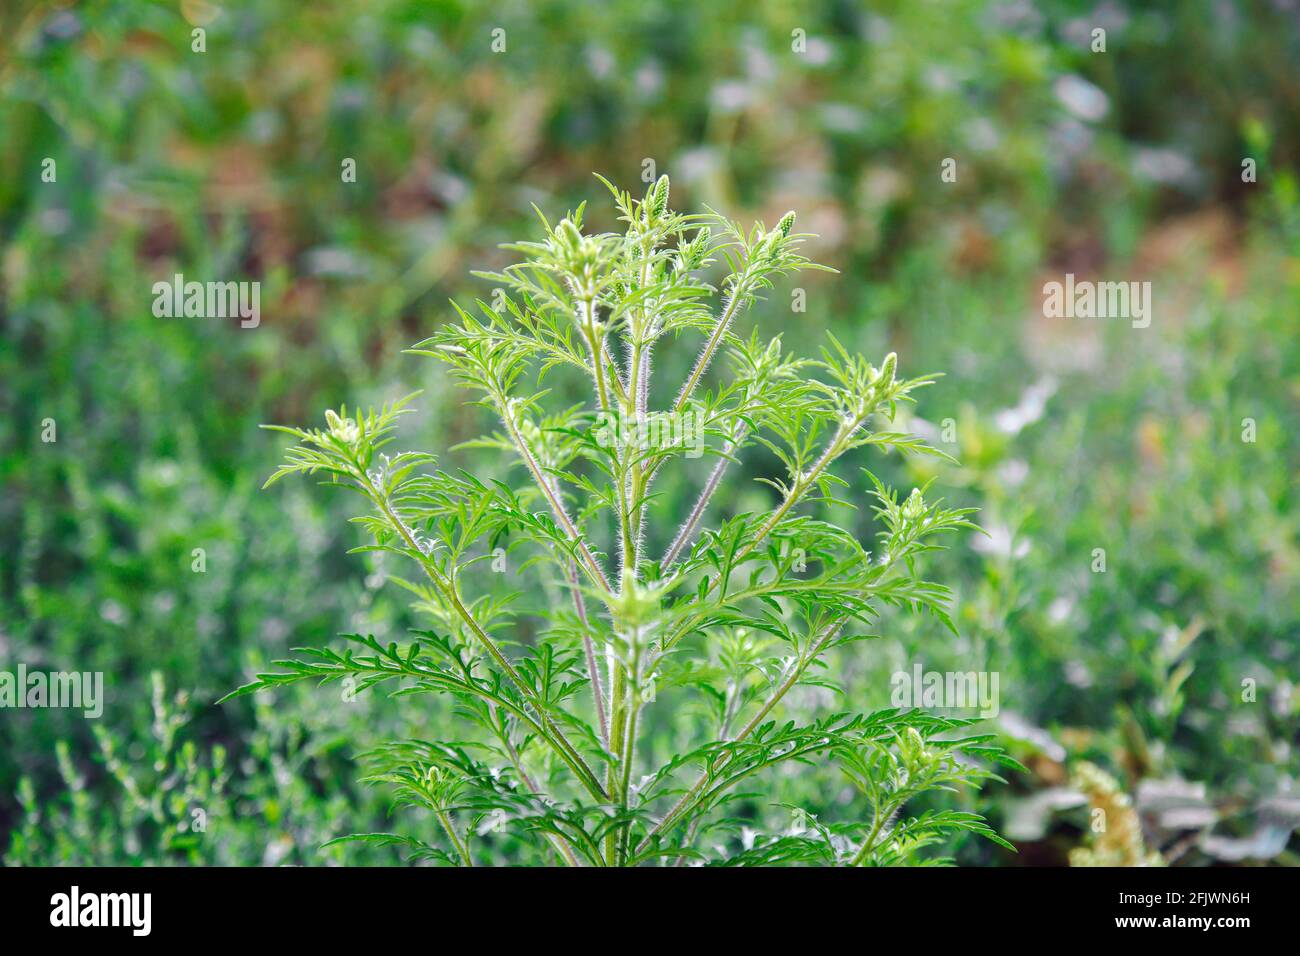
column 684, row 804
column 589, row 651
column 589, row 562
column 554, row 734
column 687, row 529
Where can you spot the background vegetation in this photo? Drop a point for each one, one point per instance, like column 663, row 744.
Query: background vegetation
column 1120, row 689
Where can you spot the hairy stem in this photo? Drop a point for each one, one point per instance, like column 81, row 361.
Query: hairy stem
column 614, row 376
column 618, row 725
column 462, row 850
column 808, row 479
column 710, row 347
column 560, row 843
column 589, row 650
column 552, row 497
column 687, row 530
column 877, row 820
column 632, row 708
column 554, row 735
column 587, row 322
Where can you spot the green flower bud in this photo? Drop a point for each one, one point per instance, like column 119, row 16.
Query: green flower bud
column 570, row 234
column 885, row 376
column 659, row 197
column 914, row 507
column 344, row 429
column 692, row 254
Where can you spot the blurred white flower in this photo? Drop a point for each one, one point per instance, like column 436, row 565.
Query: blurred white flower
column 1083, row 99
column 732, row 96
column 600, row 62
column 1168, row 167
column 1059, row 610
column 1000, row 543
column 1013, row 472
column 1030, row 408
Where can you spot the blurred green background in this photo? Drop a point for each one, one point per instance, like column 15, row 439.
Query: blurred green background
column 1073, row 435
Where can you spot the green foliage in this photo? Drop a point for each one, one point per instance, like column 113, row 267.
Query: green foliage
column 1175, row 665
column 226, row 165
column 169, row 799
column 166, row 792
column 548, row 741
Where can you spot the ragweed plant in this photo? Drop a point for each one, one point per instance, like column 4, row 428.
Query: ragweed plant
column 623, row 693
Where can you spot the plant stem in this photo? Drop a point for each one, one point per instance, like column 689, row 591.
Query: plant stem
column 552, row 498
column 461, row 849
column 729, row 313
column 556, row 736
column 877, row 820
column 617, row 727
column 684, row 803
column 619, row 387
column 588, row 324
column 632, row 707
column 561, row 845
column 629, row 750
column 627, row 537
column 697, row 512
column 800, row 487
column 593, row 671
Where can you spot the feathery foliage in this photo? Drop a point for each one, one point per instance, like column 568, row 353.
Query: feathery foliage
column 733, row 623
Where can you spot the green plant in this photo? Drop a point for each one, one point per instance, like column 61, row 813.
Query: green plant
column 560, row 672
column 1116, row 837
column 167, row 792
column 162, row 796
